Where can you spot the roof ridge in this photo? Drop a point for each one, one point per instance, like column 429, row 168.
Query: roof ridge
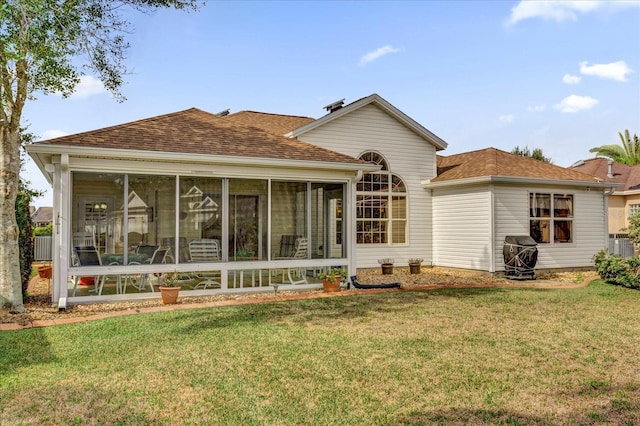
column 129, row 123
column 269, row 113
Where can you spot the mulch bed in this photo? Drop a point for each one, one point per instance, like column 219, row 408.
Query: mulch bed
column 38, row 303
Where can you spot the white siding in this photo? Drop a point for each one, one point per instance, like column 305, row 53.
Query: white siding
column 408, row 155
column 512, row 218
column 462, row 228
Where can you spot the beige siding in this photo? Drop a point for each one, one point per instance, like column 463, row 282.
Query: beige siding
column 512, row 218
column 408, row 155
column 462, row 228
column 618, row 211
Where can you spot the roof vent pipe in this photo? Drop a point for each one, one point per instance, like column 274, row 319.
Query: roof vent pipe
column 610, row 169
column 334, row 106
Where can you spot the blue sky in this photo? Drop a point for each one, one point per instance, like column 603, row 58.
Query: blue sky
column 557, row 75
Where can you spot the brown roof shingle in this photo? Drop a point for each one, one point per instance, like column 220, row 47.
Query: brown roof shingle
column 494, row 162
column 194, row 131
column 272, row 123
column 629, row 176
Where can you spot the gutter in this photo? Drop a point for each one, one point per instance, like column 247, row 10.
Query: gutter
column 427, row 184
column 38, row 152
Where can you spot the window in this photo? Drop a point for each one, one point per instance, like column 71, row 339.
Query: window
column 551, row 217
column 381, row 205
column 634, row 209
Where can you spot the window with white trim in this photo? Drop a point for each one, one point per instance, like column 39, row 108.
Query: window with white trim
column 634, row 209
column 381, row 205
column 551, row 217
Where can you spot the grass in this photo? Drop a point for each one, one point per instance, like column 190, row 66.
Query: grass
column 479, row 356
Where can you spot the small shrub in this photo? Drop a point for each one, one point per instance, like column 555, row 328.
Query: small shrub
column 43, row 230
column 615, row 270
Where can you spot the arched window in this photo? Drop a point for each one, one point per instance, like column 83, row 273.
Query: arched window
column 381, row 205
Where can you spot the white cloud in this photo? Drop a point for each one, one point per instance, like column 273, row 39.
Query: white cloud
column 88, row 86
column 614, row 71
column 537, row 108
column 507, row 118
column 570, row 79
column 53, row 133
column 376, row 54
column 575, row 103
column 563, row 10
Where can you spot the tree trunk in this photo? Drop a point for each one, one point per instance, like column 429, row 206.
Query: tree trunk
column 10, row 284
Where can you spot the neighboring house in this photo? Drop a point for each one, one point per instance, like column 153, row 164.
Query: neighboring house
column 359, row 184
column 42, row 217
column 624, row 202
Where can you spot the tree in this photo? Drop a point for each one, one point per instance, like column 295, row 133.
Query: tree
column 45, row 46
column 536, row 154
column 628, row 153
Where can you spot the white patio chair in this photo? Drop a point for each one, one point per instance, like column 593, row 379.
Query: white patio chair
column 204, row 250
column 299, row 252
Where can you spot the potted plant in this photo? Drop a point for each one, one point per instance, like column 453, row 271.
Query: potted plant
column 387, row 266
column 169, row 289
column 415, row 265
column 332, row 278
column 45, row 271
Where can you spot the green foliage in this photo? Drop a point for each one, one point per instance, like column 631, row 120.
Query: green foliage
column 536, row 154
column 634, row 228
column 43, row 230
column 333, row 274
column 627, row 153
column 615, row 270
column 25, row 238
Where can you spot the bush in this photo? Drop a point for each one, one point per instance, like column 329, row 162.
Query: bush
column 615, row 270
column 25, row 239
column 43, row 230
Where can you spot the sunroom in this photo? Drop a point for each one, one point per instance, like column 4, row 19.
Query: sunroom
column 218, row 216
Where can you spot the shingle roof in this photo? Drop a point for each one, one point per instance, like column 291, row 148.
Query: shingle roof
column 43, row 215
column 272, row 123
column 194, row 131
column 629, row 176
column 491, row 162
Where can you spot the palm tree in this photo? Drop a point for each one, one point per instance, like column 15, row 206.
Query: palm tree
column 628, row 153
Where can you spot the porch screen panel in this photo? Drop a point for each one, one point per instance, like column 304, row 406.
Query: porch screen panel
column 200, row 218
column 96, row 219
column 327, row 235
column 248, row 219
column 288, row 216
column 151, row 214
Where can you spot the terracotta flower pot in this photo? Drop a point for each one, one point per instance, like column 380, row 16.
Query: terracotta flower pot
column 45, row 271
column 169, row 295
column 331, row 287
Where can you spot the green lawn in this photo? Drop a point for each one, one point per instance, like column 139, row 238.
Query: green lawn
column 480, row 356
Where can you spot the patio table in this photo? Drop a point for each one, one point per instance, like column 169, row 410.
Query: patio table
column 118, row 258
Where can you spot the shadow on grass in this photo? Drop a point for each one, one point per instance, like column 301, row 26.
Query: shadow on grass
column 315, row 311
column 22, row 348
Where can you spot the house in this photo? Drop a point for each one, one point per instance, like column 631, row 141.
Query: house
column 42, row 217
column 624, row 201
column 277, row 199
